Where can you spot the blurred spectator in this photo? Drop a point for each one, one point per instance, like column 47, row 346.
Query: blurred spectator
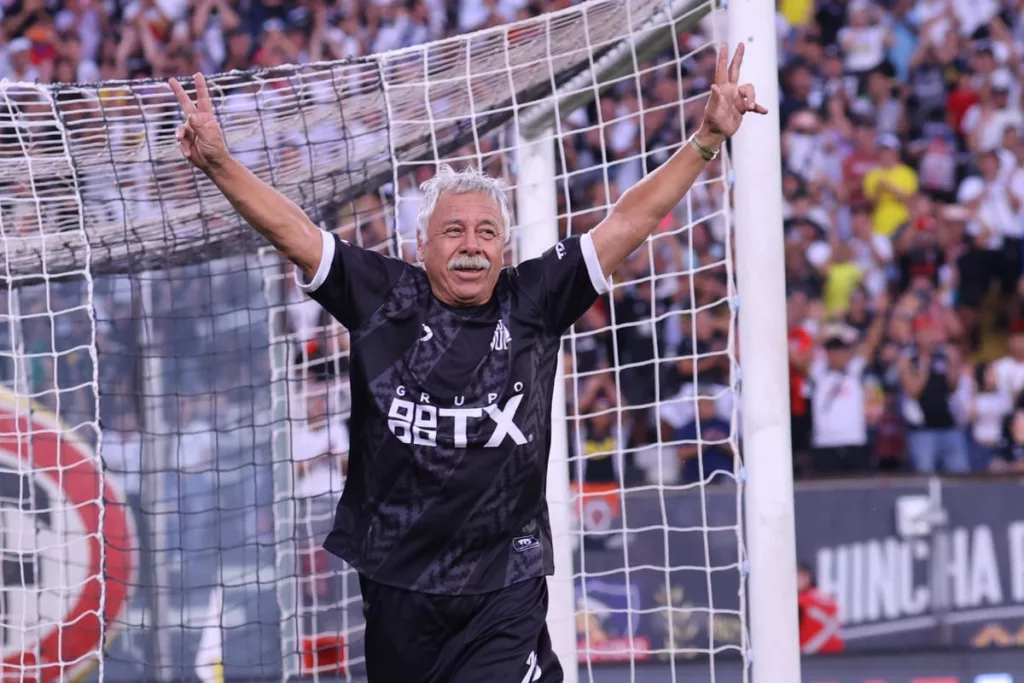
column 994, row 249
column 889, row 187
column 704, row 446
column 929, row 374
column 319, row 445
column 122, row 454
column 862, row 158
column 989, row 408
column 819, row 616
column 985, row 121
column 602, row 445
column 1008, row 371
column 801, row 353
column 839, row 426
column 865, row 38
column 194, row 459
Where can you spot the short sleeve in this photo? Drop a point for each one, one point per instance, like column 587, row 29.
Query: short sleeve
column 565, row 282
column 351, row 282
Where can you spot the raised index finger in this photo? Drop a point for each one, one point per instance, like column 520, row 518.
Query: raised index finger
column 737, row 62
column 203, row 101
column 183, row 99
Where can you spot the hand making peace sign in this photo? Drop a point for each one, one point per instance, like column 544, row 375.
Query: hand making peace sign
column 200, row 138
column 729, row 100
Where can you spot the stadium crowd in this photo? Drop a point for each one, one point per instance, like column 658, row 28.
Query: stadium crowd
column 903, row 149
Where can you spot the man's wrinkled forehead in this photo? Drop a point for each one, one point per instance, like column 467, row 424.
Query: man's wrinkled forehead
column 468, row 209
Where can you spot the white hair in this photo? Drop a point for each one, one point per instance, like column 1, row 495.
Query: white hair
column 468, row 180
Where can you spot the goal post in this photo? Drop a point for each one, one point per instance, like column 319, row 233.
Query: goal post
column 537, row 217
column 760, row 273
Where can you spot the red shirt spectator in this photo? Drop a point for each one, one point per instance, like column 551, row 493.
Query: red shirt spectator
column 958, row 102
column 861, row 160
column 819, row 617
column 800, row 344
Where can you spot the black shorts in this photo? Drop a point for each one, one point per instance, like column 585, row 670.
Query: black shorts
column 499, row 637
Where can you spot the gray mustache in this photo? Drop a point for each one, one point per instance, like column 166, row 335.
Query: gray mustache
column 469, row 262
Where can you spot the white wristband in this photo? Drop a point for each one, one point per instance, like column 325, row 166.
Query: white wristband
column 705, row 152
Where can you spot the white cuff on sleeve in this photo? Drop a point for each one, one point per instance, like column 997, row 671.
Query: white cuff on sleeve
column 602, row 284
column 326, row 259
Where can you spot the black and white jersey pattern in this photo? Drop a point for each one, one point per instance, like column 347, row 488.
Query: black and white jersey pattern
column 451, row 416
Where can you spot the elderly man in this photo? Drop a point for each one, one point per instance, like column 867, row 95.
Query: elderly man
column 452, row 368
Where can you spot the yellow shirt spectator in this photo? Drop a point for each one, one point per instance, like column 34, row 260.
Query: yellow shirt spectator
column 890, row 207
column 842, row 279
column 797, row 12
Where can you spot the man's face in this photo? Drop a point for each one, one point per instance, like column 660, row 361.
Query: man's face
column 463, row 250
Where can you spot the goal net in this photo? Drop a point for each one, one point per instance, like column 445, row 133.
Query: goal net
column 174, row 433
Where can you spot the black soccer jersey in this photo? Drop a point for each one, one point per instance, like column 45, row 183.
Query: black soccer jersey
column 451, row 416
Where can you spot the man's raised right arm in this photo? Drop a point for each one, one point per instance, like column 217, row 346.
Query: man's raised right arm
column 273, row 215
column 279, row 219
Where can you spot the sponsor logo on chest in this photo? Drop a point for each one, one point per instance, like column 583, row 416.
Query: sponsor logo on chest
column 419, row 422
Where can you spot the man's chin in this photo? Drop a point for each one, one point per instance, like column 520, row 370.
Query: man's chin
column 470, row 286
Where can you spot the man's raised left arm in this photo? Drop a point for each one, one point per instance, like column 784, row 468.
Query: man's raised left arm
column 639, row 211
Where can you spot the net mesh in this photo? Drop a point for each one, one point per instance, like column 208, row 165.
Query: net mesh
column 139, row 308
column 104, row 157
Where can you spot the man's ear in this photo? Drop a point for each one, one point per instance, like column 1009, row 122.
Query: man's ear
column 419, row 246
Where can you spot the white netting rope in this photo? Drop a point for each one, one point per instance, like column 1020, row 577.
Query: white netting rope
column 52, row 434
column 672, row 397
column 319, row 130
